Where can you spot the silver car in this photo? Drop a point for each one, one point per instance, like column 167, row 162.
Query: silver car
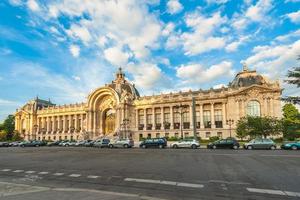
column 186, row 143
column 260, row 144
column 121, row 143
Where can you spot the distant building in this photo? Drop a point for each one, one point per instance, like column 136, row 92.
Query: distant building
column 117, row 109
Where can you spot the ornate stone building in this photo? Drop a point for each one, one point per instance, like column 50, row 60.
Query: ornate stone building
column 117, row 109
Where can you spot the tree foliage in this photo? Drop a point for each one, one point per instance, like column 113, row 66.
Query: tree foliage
column 291, row 122
column 7, row 129
column 258, row 127
column 293, row 77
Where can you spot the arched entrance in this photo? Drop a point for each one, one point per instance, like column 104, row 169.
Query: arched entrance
column 109, row 121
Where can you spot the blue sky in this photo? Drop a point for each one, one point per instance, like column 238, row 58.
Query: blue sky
column 66, row 48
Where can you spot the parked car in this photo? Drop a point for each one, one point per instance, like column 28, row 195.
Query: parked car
column 260, row 143
column 101, row 143
column 80, row 143
column 229, row 143
column 61, row 143
column 88, row 143
column 33, row 143
column 4, row 144
column 121, row 143
column 186, row 143
column 154, row 143
column 56, row 143
column 291, row 145
column 14, row 144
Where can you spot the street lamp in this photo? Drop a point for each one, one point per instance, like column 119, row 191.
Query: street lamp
column 230, row 123
column 35, row 130
column 181, row 121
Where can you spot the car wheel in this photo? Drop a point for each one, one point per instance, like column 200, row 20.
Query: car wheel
column 110, row 146
column 235, row 147
column 249, row 147
column 160, row 146
column 22, row 146
column 175, row 146
column 126, row 146
column 144, row 146
column 66, row 145
column 194, row 146
column 294, row 148
column 272, row 147
column 37, row 145
column 214, row 146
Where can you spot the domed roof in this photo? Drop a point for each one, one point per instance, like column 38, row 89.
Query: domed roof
column 120, row 84
column 247, row 78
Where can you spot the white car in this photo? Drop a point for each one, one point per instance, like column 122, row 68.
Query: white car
column 186, row 143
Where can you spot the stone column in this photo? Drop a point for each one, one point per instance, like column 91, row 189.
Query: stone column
column 265, row 106
column 191, row 116
column 271, row 107
column 243, row 108
column 145, row 118
column 201, row 117
column 171, row 118
column 76, row 123
column 153, row 118
column 212, row 115
column 70, row 123
column 223, row 114
column 81, row 123
column 94, row 122
column 238, row 109
column 65, row 123
column 48, row 124
column 162, row 118
column 137, row 119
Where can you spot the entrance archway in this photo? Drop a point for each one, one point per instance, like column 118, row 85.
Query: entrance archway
column 109, row 121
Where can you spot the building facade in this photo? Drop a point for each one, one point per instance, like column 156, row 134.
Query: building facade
column 117, row 109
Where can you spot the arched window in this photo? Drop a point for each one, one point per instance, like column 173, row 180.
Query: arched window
column 253, row 108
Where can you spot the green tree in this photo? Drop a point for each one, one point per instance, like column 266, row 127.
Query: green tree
column 291, row 122
column 258, row 127
column 241, row 130
column 7, row 128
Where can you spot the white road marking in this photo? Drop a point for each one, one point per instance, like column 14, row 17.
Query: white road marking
column 30, row 172
column 6, row 170
column 162, row 182
column 58, row 174
column 75, row 175
column 18, row 171
column 276, row 192
column 43, row 173
column 92, row 176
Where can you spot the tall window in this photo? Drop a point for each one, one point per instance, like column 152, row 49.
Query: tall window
column 141, row 116
column 185, row 117
column 253, row 108
column 218, row 118
column 206, row 119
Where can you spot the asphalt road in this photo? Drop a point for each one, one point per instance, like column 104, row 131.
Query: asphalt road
column 89, row 173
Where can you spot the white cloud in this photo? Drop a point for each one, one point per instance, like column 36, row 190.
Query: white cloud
column 292, row 1
column 202, row 38
column 216, row 1
column 234, row 45
column 75, row 50
column 129, row 22
column 254, row 13
column 294, row 17
column 219, row 86
column 116, row 56
column 77, row 78
column 4, row 102
column 174, row 6
column 15, row 2
column 33, row 5
column 275, row 60
column 168, row 29
column 196, row 73
column 289, row 36
column 80, row 32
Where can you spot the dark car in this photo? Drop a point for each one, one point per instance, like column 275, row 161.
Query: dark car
column 230, row 143
column 154, row 143
column 88, row 143
column 33, row 143
column 4, row 144
column 56, row 143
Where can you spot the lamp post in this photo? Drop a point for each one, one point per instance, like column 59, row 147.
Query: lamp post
column 180, row 106
column 230, row 123
column 35, row 130
column 125, row 122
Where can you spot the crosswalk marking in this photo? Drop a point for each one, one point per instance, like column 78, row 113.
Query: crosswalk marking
column 43, row 173
column 6, row 170
column 58, row 174
column 92, row 176
column 30, row 172
column 75, row 175
column 18, row 171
